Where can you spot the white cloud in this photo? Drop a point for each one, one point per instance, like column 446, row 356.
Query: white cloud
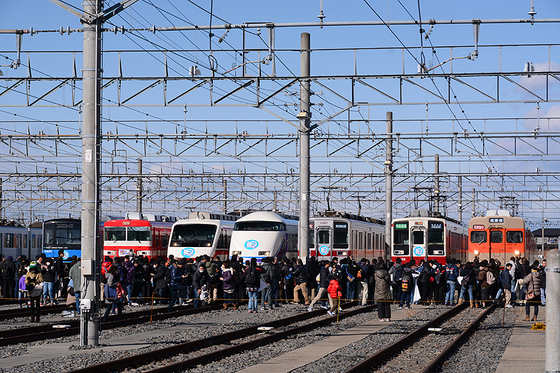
column 537, row 83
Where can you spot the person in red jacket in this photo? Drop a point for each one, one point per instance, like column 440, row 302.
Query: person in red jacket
column 334, row 291
column 105, row 266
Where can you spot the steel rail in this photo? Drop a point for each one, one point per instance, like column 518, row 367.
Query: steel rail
column 22, row 312
column 378, row 358
column 149, row 357
column 457, row 342
column 47, row 331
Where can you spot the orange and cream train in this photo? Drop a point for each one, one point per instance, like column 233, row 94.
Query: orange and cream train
column 500, row 236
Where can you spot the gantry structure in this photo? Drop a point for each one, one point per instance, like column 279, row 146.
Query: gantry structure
column 180, row 131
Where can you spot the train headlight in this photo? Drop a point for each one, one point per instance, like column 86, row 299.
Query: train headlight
column 345, row 253
column 209, row 244
column 268, row 253
column 476, row 252
column 517, row 253
column 236, row 253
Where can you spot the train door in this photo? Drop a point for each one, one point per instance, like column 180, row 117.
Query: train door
column 496, row 247
column 324, row 242
column 418, row 242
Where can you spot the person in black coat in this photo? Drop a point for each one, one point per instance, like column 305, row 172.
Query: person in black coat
column 160, row 284
column 200, row 279
column 137, row 283
column 324, row 280
column 424, row 283
column 178, row 280
column 507, row 280
column 48, row 270
column 238, row 271
column 312, row 271
column 523, row 269
column 61, row 275
column 300, row 275
column 468, row 275
column 8, row 269
column 287, row 280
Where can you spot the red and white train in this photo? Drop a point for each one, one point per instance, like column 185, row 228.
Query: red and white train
column 137, row 234
column 338, row 234
column 427, row 235
column 500, row 236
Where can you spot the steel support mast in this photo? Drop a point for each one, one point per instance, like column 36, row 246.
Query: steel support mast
column 92, row 19
column 89, row 330
column 304, row 117
column 388, row 185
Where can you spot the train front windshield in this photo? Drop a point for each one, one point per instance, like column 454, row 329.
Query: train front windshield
column 259, row 226
column 62, row 234
column 436, row 238
column 340, row 235
column 115, row 234
column 193, row 235
column 401, row 240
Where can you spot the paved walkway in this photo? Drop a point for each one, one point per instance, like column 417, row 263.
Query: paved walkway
column 525, row 351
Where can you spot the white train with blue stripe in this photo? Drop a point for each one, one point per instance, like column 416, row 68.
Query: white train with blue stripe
column 263, row 234
column 203, row 233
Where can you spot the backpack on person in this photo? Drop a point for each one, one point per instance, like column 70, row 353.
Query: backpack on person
column 266, row 274
column 490, row 278
column 405, row 281
column 251, row 276
column 465, row 281
column 399, row 273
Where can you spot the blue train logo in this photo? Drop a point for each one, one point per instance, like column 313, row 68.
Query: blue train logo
column 251, row 244
column 187, row 252
column 418, row 251
column 324, row 250
column 66, row 255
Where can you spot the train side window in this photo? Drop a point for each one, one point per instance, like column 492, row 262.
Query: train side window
column 418, row 237
column 9, row 240
column 496, row 236
column 514, row 237
column 478, row 237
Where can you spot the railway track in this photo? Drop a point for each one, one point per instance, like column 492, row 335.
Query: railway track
column 204, row 351
column 415, row 349
column 21, row 312
column 72, row 327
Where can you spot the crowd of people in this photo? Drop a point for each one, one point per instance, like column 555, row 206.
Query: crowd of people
column 42, row 281
column 267, row 285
